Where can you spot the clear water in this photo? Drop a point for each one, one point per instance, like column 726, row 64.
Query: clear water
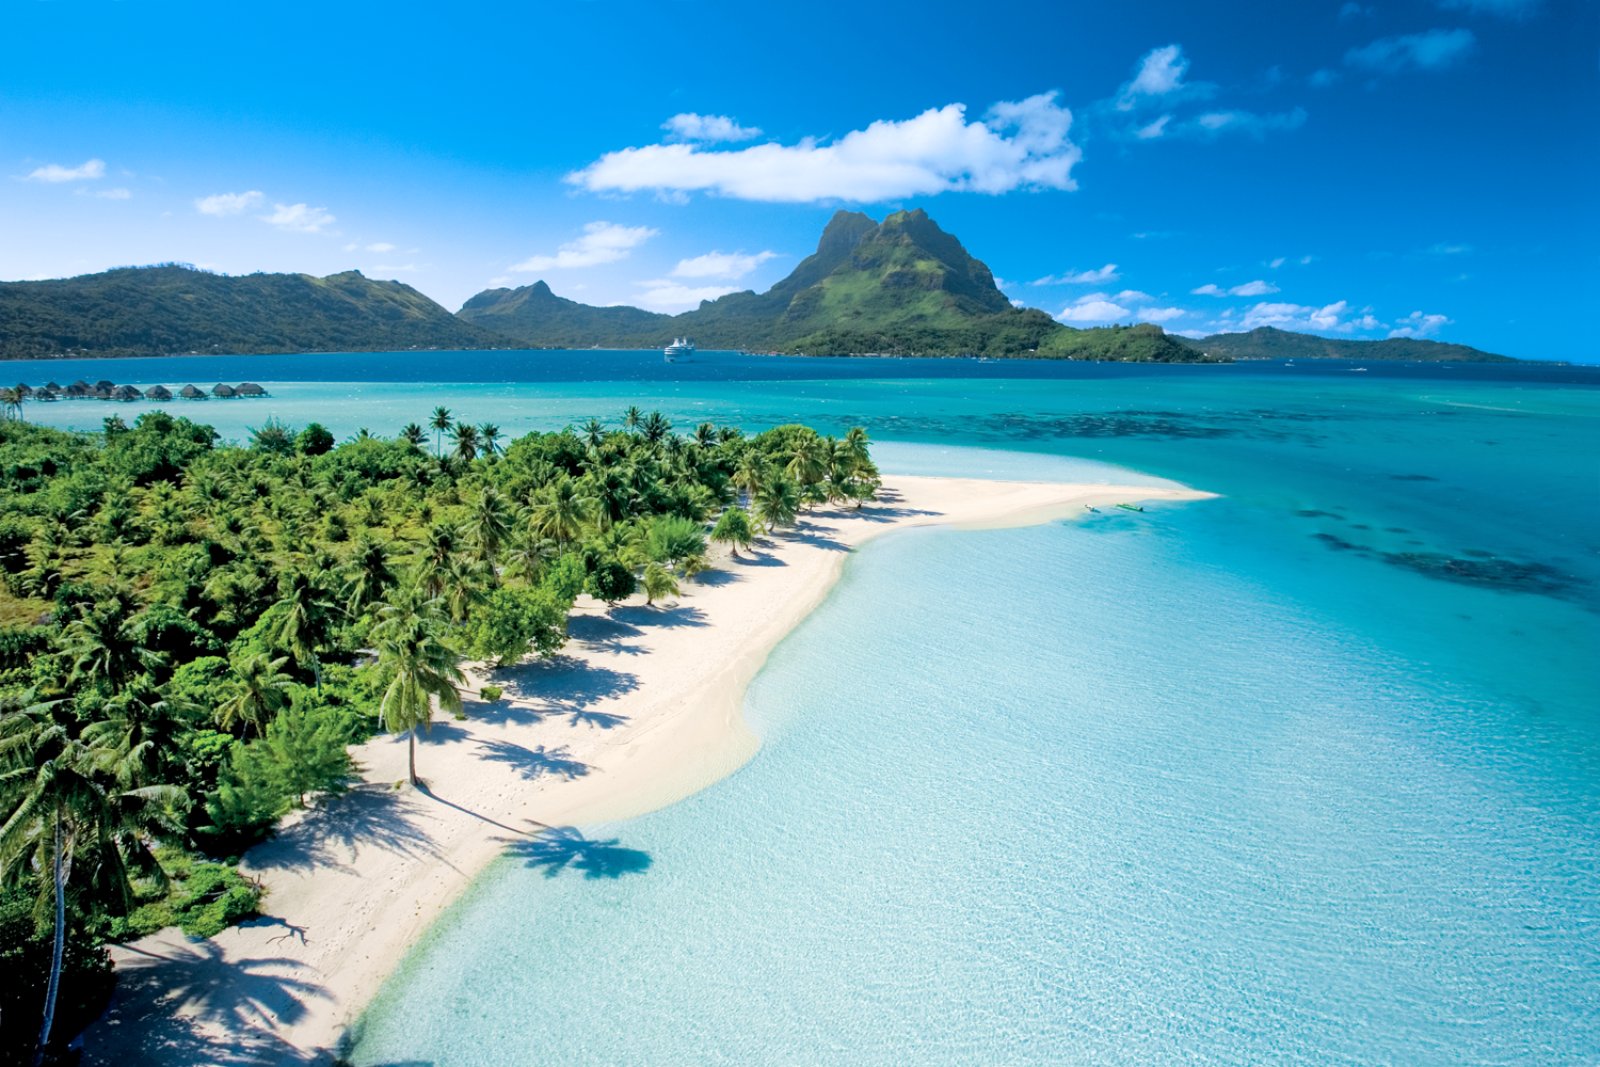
column 1306, row 774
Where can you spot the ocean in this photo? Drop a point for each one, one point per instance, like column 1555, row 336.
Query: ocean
column 1308, row 773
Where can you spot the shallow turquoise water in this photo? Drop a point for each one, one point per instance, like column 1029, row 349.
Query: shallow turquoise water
column 1306, row 774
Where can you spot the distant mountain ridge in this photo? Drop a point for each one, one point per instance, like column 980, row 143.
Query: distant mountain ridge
column 900, row 287
column 1269, row 342
column 157, row 311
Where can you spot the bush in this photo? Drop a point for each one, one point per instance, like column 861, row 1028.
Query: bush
column 611, row 581
column 513, row 622
column 202, row 899
column 491, row 693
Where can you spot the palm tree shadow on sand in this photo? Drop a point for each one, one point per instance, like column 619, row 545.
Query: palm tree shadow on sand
column 564, row 848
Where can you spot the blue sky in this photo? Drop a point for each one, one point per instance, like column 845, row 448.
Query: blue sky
column 1420, row 167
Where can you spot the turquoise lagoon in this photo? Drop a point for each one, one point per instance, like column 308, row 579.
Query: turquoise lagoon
column 1309, row 773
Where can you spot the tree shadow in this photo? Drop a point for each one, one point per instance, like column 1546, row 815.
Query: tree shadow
column 534, row 763
column 227, row 1007
column 670, row 618
column 590, row 628
column 565, row 848
column 333, row 833
column 559, row 684
column 808, row 534
column 718, row 576
column 604, row 719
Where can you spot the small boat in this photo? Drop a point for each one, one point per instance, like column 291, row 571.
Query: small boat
column 1130, row 507
column 1091, row 507
column 1358, row 370
column 680, row 348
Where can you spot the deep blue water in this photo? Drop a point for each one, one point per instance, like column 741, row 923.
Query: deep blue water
column 1309, row 773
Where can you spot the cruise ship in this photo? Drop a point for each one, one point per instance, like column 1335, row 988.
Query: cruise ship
column 680, row 348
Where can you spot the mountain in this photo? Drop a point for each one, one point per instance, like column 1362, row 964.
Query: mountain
column 154, row 311
column 900, row 287
column 1268, row 342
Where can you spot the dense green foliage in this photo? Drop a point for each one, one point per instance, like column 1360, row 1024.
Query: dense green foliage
column 200, row 631
column 904, row 287
column 1269, row 342
column 155, row 311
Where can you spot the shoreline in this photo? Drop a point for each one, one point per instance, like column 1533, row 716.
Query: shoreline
column 626, row 720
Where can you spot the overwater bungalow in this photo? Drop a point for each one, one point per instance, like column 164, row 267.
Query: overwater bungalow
column 190, row 392
column 101, row 390
column 79, row 389
column 125, row 392
column 24, row 391
column 105, row 384
column 47, row 392
column 223, row 390
column 52, row 387
column 158, row 392
column 250, row 389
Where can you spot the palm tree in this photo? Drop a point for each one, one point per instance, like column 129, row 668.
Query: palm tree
column 414, row 434
column 559, row 512
column 466, row 583
column 60, row 807
column 436, row 552
column 777, row 501
column 420, row 667
column 489, row 523
column 260, row 692
column 466, row 449
column 655, row 427
column 807, row 460
column 305, row 622
column 751, row 471
column 105, row 652
column 527, row 556
column 594, row 431
column 11, row 402
column 658, row 582
column 371, row 576
column 632, row 417
column 440, row 422
column 490, row 435
column 705, row 435
column 733, row 529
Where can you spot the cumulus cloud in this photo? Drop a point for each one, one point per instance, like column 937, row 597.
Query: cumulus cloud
column 229, row 203
column 663, row 294
column 1418, row 324
column 118, row 193
column 1250, row 123
column 1433, row 50
column 1159, row 314
column 1016, row 145
column 727, row 265
column 602, row 242
column 381, row 246
column 1094, row 308
column 299, row 218
column 1330, row 318
column 1151, row 131
column 1160, row 77
column 1098, row 276
column 54, row 173
column 1259, row 287
column 692, row 127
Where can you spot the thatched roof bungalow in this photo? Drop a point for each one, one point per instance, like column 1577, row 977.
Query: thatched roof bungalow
column 158, row 392
column 190, row 392
column 24, row 390
column 105, row 383
column 46, row 392
column 125, row 392
column 250, row 389
column 101, row 391
column 223, row 390
column 53, row 387
column 79, row 389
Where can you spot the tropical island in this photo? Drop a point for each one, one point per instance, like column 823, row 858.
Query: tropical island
column 207, row 647
column 900, row 287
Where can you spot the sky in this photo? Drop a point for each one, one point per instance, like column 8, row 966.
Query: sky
column 1416, row 168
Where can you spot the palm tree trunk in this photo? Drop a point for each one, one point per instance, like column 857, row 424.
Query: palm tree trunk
column 411, row 743
column 57, row 950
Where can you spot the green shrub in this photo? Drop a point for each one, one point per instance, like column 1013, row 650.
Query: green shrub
column 491, row 693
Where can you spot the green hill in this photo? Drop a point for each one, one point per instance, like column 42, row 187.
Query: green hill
column 1268, row 342
column 154, row 311
column 900, row 287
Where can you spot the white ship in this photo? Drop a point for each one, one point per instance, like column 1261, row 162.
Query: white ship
column 680, row 348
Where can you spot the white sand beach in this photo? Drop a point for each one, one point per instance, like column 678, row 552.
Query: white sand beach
column 642, row 708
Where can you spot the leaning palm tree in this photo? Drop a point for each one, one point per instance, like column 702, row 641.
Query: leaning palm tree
column 440, row 421
column 61, row 811
column 260, row 691
column 658, row 582
column 420, row 667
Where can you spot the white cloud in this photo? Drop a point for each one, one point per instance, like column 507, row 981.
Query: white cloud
column 1208, row 289
column 299, row 218
column 118, row 193
column 1154, row 129
column 53, row 173
column 1275, row 263
column 1095, row 307
column 692, row 127
column 1159, row 314
column 1259, row 287
column 381, row 246
column 229, row 203
column 1252, row 123
column 1418, row 324
column 1098, row 276
column 1433, row 50
column 728, row 265
column 1330, row 318
column 1444, row 248
column 1323, row 78
column 1017, row 145
column 1160, row 75
column 1133, row 296
column 602, row 242
column 664, row 295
